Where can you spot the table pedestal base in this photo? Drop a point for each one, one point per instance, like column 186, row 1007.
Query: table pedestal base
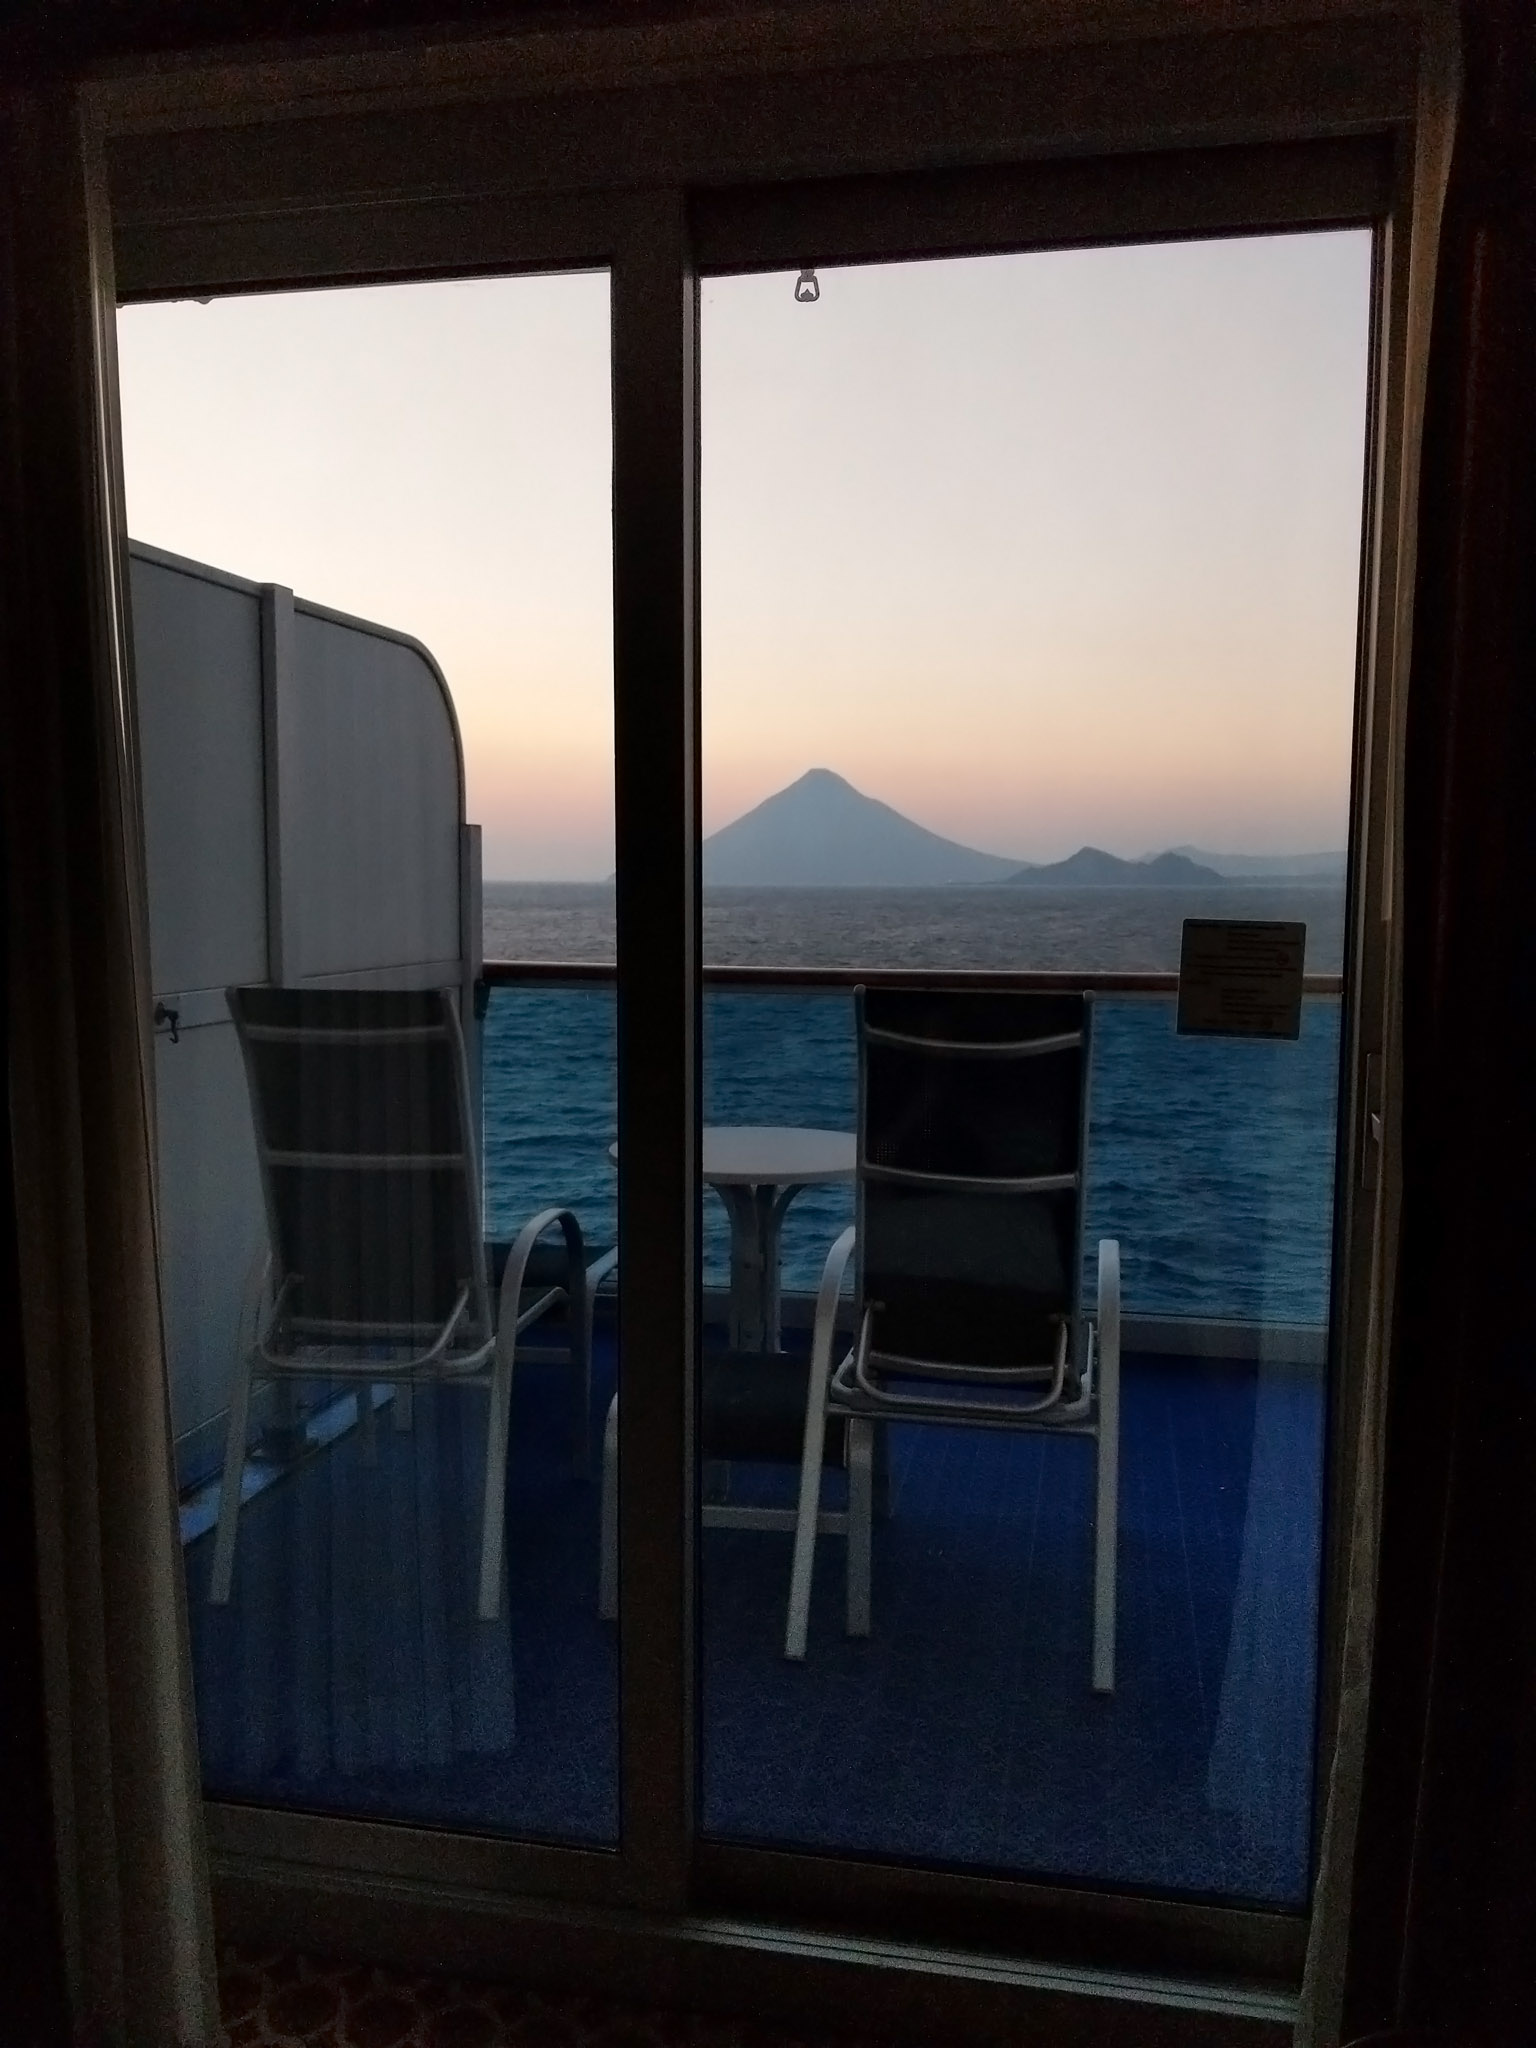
column 757, row 1218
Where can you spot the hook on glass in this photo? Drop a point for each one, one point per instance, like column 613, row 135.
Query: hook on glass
column 164, row 1014
column 807, row 288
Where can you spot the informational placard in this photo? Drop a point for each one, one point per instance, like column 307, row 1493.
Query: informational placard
column 1241, row 978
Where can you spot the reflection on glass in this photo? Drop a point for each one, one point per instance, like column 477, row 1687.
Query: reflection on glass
column 1029, row 599
column 387, row 1239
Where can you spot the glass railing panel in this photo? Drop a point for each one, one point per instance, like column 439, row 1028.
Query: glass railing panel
column 1211, row 1161
column 1201, row 1152
column 387, row 1447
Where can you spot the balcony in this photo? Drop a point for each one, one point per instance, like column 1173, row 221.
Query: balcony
column 350, row 1674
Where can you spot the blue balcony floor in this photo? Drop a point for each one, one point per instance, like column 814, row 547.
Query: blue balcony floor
column 349, row 1673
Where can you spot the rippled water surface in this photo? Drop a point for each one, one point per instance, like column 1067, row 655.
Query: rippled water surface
column 1125, row 930
column 1210, row 1159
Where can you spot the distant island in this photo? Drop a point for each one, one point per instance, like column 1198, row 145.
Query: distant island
column 1091, row 868
column 821, row 832
column 1272, row 867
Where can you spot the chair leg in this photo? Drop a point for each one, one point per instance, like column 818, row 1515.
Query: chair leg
column 231, row 1484
column 861, row 1509
column 883, row 1473
column 608, row 1534
column 807, row 1512
column 403, row 1408
column 813, row 1448
column 581, row 1311
column 798, row 1626
column 1106, row 1517
column 1105, row 1541
column 493, row 1522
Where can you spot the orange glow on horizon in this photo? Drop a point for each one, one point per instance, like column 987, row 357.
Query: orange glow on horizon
column 1042, row 550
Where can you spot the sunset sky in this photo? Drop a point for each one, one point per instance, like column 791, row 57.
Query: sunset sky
column 1041, row 549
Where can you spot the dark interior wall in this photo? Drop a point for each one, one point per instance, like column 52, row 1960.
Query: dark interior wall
column 30, row 1953
column 1445, row 1919
column 61, row 35
column 1445, row 1931
column 32, row 2006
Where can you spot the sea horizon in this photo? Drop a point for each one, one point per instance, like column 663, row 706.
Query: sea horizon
column 1092, row 928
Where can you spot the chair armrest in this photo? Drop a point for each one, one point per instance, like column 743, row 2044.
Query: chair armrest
column 828, row 1295
column 602, row 1266
column 508, row 1321
column 1109, row 1296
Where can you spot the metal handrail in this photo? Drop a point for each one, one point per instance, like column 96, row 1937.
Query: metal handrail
column 509, row 973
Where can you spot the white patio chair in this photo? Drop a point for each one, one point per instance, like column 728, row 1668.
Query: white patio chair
column 973, row 1122
column 378, row 1274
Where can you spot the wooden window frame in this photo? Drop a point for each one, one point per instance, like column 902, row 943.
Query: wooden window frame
column 299, row 175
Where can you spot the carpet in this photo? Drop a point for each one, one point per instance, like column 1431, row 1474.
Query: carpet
column 349, row 1673
column 276, row 1999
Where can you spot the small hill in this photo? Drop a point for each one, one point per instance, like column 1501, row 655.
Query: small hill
column 1091, row 868
column 821, row 832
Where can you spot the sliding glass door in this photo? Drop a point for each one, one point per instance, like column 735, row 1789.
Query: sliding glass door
column 1030, row 603
column 372, row 605
column 651, row 659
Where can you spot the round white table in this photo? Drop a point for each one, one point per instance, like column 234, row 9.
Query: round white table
column 757, row 1170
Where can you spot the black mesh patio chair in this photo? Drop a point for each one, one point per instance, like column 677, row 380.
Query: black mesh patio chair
column 377, row 1269
column 973, row 1121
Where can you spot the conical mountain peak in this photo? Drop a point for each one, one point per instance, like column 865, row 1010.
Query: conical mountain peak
column 821, row 832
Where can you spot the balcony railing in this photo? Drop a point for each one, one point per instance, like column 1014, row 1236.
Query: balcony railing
column 1211, row 1159
column 517, row 973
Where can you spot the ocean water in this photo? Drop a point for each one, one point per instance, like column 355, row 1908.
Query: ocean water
column 1107, row 930
column 1210, row 1159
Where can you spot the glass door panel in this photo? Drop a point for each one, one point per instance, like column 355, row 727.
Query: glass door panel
column 372, row 614
column 1030, row 595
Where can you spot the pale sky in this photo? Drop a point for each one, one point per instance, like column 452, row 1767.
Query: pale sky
column 1043, row 549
